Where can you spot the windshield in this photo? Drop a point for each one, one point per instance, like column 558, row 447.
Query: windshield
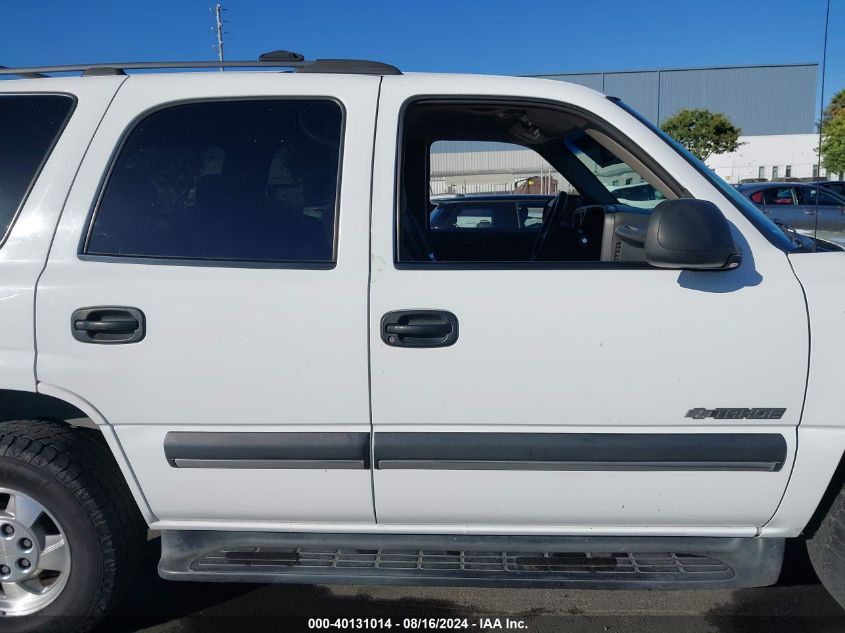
column 761, row 222
column 614, row 174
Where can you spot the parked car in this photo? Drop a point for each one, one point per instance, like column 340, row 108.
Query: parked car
column 252, row 339
column 804, row 207
column 489, row 211
column 511, row 222
column 642, row 195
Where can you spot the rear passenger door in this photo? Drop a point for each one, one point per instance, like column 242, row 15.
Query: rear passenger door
column 206, row 293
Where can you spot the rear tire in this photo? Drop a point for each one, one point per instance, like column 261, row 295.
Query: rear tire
column 827, row 549
column 67, row 477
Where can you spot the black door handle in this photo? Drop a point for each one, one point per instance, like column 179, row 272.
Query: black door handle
column 126, row 326
column 419, row 328
column 107, row 324
column 425, row 330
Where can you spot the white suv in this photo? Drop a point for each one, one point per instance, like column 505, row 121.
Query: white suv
column 226, row 318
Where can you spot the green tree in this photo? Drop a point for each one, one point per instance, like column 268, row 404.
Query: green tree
column 835, row 108
column 702, row 132
column 833, row 134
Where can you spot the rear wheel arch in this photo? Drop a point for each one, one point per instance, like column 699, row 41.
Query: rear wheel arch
column 54, row 404
column 70, row 475
column 31, row 405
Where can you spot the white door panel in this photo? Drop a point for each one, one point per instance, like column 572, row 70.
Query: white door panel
column 223, row 345
column 582, row 351
column 295, row 495
column 575, row 347
column 228, row 349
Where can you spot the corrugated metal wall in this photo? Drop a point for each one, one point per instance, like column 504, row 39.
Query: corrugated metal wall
column 760, row 100
column 486, row 160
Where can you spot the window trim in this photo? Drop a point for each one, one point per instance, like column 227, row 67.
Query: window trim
column 610, row 131
column 526, row 265
column 206, row 262
column 37, row 174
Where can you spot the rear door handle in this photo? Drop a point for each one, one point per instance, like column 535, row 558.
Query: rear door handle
column 419, row 328
column 108, row 324
column 126, row 326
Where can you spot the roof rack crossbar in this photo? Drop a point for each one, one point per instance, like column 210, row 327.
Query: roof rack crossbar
column 350, row 66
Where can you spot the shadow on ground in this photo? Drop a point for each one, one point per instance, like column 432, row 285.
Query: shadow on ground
column 798, row 602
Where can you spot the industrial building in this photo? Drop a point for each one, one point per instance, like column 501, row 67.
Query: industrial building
column 775, row 106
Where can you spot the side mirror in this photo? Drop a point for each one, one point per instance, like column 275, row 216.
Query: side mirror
column 690, row 234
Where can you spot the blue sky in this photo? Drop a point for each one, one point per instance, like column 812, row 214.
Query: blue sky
column 491, row 36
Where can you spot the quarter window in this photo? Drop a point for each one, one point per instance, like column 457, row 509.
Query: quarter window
column 29, row 126
column 252, row 180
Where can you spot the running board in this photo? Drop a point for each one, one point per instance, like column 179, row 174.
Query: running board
column 489, row 561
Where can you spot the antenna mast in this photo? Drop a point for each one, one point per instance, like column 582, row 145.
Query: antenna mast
column 218, row 16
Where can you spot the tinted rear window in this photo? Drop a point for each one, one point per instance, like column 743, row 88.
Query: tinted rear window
column 251, row 180
column 29, row 127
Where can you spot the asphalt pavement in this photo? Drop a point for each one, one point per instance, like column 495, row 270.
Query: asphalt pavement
column 797, row 604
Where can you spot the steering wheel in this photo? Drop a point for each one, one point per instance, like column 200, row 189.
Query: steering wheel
column 551, row 211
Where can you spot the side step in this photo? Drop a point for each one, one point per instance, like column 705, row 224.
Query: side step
column 494, row 561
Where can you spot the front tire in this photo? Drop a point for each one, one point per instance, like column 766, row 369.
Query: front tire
column 71, row 536
column 826, row 548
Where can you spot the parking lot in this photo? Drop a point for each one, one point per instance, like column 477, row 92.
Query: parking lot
column 797, row 604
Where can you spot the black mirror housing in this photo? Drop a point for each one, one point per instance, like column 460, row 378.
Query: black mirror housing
column 690, row 234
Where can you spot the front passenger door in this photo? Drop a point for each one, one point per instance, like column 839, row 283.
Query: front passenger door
column 572, row 396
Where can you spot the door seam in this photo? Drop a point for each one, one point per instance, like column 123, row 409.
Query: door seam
column 56, row 230
column 804, row 399
column 369, row 309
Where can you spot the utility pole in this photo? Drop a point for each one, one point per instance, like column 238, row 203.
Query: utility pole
column 218, row 16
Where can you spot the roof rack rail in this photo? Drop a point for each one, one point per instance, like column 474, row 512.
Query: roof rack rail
column 277, row 59
column 26, row 75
